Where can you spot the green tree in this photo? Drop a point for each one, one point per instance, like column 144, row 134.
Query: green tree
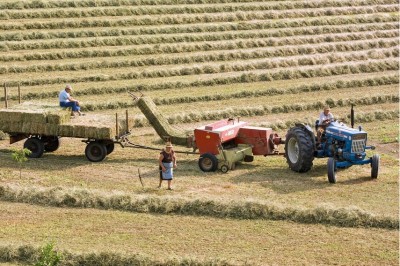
column 48, row 256
column 20, row 156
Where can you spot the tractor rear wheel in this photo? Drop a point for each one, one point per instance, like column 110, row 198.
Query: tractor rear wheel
column 331, row 170
column 95, row 151
column 375, row 166
column 36, row 146
column 299, row 149
column 208, row 162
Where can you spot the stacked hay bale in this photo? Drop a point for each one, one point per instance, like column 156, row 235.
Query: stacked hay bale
column 160, row 123
column 51, row 120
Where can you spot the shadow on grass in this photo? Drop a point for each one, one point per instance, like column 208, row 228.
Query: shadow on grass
column 282, row 179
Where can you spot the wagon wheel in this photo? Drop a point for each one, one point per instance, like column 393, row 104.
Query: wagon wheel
column 95, row 151
column 208, row 162
column 109, row 145
column 36, row 146
column 51, row 143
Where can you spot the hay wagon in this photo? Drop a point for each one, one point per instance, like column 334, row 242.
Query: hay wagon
column 43, row 125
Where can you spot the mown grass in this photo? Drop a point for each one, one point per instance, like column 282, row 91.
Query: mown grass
column 237, row 242
column 267, row 180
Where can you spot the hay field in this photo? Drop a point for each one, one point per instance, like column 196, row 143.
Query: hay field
column 270, row 62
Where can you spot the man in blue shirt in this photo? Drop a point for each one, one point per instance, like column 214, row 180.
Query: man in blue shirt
column 67, row 101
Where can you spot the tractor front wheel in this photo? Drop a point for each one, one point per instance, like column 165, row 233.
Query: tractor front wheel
column 375, row 166
column 299, row 149
column 208, row 162
column 95, row 151
column 331, row 170
column 36, row 146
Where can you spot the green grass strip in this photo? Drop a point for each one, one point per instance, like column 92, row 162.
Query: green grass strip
column 60, row 197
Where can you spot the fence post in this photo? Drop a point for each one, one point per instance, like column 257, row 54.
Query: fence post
column 5, row 95
column 116, row 125
column 127, row 121
column 19, row 93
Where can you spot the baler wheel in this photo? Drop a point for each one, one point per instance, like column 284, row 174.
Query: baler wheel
column 36, row 146
column 208, row 162
column 375, row 166
column 299, row 149
column 331, row 170
column 224, row 168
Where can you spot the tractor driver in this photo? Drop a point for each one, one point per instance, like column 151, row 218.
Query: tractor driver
column 325, row 118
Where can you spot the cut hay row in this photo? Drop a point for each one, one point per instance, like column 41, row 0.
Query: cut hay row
column 203, row 28
column 115, row 105
column 179, row 48
column 359, row 118
column 20, row 5
column 93, row 23
column 26, row 254
column 179, row 16
column 318, row 71
column 245, row 95
column 297, row 27
column 232, row 67
column 189, row 117
column 377, row 45
column 328, row 86
column 173, row 10
column 159, row 122
column 59, row 197
column 381, row 80
column 247, row 38
column 209, row 57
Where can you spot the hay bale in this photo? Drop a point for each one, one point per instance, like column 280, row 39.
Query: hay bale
column 52, row 120
column 33, row 118
column 160, row 122
column 66, row 130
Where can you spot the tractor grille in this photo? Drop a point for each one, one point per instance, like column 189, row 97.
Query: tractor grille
column 357, row 146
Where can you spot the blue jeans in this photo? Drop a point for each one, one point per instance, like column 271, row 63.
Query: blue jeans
column 73, row 105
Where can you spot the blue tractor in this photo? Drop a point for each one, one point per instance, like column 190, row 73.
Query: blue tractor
column 344, row 146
